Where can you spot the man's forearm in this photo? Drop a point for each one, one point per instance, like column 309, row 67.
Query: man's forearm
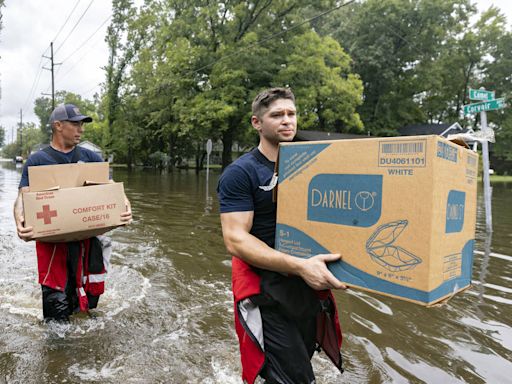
column 257, row 253
column 18, row 208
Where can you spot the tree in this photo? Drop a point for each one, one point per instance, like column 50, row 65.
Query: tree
column 122, row 47
column 2, row 136
column 327, row 92
column 496, row 76
column 398, row 47
column 200, row 64
column 43, row 109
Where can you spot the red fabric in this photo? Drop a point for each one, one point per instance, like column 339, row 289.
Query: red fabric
column 94, row 288
column 246, row 283
column 52, row 270
column 83, row 302
column 52, row 266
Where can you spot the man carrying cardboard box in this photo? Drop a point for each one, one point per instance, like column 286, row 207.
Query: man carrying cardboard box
column 71, row 274
column 284, row 309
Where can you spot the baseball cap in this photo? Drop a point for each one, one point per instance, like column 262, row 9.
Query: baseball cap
column 68, row 112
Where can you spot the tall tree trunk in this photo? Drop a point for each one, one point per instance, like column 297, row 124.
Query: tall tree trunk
column 172, row 155
column 199, row 165
column 227, row 143
column 129, row 156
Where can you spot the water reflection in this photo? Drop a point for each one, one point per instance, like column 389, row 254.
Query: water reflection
column 167, row 312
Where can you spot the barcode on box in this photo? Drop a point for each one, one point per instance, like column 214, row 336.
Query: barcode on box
column 402, row 148
column 402, row 154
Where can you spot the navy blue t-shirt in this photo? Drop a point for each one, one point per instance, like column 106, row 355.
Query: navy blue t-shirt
column 239, row 191
column 43, row 158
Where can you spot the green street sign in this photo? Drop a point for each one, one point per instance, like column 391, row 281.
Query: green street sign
column 480, row 94
column 484, row 106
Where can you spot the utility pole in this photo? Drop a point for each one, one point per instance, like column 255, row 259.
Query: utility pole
column 52, row 67
column 21, row 132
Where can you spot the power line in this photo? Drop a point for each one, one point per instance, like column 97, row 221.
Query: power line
column 34, row 83
column 36, row 80
column 75, row 64
column 76, row 24
column 269, row 38
column 259, row 42
column 77, row 49
column 86, row 40
column 67, row 19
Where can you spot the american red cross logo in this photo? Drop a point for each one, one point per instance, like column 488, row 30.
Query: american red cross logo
column 46, row 214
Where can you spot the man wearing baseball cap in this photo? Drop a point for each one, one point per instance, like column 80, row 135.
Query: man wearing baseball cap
column 58, row 263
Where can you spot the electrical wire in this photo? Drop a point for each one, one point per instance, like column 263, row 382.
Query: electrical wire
column 76, row 24
column 259, row 42
column 36, row 80
column 86, row 40
column 67, row 19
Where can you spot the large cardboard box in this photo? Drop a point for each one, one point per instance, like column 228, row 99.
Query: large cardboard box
column 69, row 202
column 401, row 212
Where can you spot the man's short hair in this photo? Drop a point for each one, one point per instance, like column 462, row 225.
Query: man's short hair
column 267, row 97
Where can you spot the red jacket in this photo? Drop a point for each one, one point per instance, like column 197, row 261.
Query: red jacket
column 246, row 283
column 53, row 270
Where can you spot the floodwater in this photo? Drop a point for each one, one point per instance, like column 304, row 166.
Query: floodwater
column 166, row 316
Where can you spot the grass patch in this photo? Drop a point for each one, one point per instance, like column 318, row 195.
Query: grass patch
column 500, row 178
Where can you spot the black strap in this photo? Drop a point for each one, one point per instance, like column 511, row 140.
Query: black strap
column 60, row 159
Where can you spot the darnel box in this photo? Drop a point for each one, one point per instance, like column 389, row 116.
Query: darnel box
column 401, row 211
column 69, row 202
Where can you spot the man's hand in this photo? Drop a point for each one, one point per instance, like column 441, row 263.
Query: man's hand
column 315, row 273
column 126, row 216
column 24, row 233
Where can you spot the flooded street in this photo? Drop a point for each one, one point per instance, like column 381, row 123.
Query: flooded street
column 167, row 314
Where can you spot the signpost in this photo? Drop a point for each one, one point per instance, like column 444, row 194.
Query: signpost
column 488, row 103
column 480, row 94
column 209, row 146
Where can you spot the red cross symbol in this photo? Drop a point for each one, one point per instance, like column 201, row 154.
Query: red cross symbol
column 46, row 214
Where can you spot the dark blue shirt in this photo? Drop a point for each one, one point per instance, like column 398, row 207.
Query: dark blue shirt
column 43, row 158
column 239, row 191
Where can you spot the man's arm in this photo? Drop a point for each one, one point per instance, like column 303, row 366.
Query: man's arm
column 24, row 233
column 239, row 242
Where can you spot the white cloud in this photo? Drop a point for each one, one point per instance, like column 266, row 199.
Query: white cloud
column 28, row 28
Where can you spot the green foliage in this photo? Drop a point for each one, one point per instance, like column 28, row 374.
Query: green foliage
column 43, row 108
column 28, row 137
column 198, row 66
column 10, row 151
column 180, row 72
column 327, row 92
column 2, row 136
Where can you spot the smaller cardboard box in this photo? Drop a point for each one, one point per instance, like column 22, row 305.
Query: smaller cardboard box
column 70, row 202
column 401, row 211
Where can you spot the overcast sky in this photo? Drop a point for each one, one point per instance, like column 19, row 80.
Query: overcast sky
column 77, row 28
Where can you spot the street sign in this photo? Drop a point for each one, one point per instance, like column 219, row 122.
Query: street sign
column 484, row 106
column 480, row 94
column 209, row 146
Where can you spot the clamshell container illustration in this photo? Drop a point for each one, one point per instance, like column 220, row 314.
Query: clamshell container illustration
column 382, row 249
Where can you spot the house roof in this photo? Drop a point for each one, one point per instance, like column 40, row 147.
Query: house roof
column 320, row 135
column 89, row 145
column 431, row 129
